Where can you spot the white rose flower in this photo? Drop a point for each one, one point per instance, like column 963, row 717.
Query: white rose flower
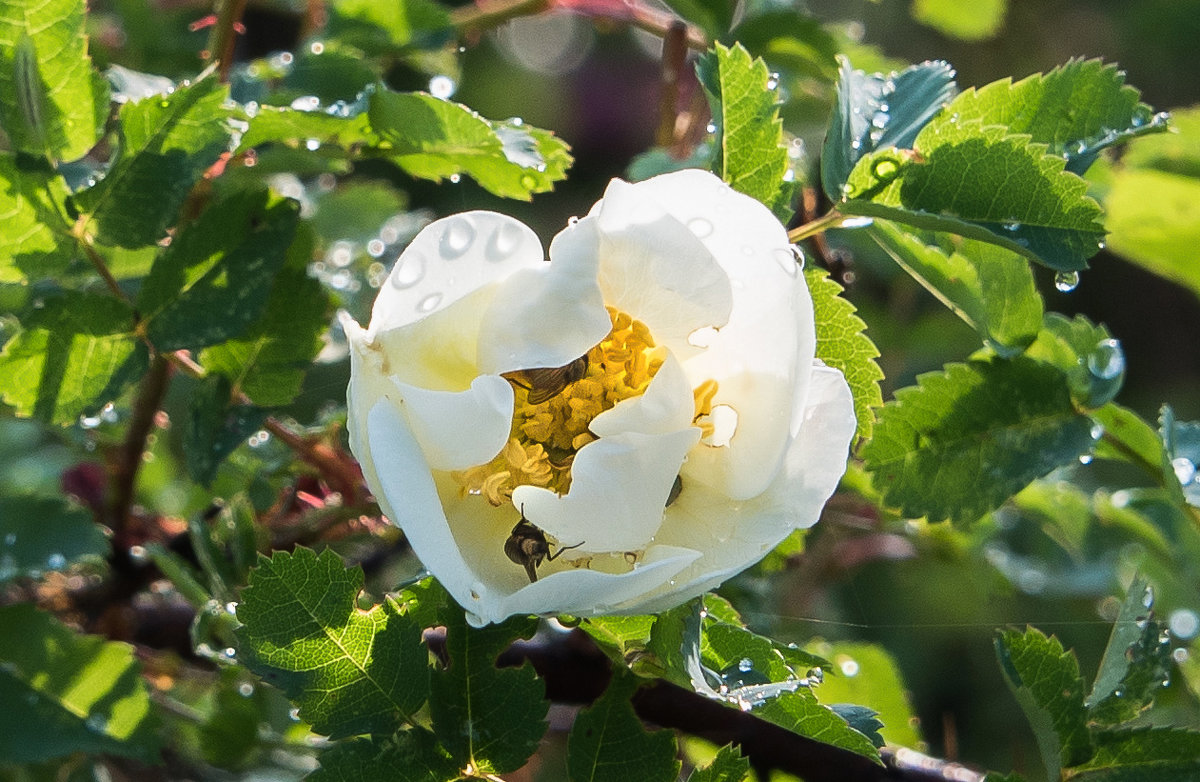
column 688, row 431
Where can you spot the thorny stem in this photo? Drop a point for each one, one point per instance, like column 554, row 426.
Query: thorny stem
column 149, row 398
column 224, row 35
column 831, row 219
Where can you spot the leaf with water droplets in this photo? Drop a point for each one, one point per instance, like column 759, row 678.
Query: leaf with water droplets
column 166, row 144
column 1136, row 662
column 64, row 693
column 609, row 744
column 75, row 351
column 1077, row 110
column 53, row 78
column 843, row 344
column 749, row 153
column 1046, row 682
column 964, row 440
column 1128, row 437
column 211, row 283
column 490, row 718
column 878, row 111
column 350, row 671
column 1143, row 754
column 1093, row 362
column 800, row 713
column 39, row 534
column 990, row 288
column 981, row 182
column 1181, row 443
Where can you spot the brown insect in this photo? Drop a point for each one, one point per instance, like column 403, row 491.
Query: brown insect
column 549, row 382
column 527, row 546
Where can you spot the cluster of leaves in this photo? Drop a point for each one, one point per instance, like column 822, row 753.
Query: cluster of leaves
column 152, row 235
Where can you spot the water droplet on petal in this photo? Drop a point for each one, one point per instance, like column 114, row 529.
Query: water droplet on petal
column 700, row 227
column 702, row 337
column 429, row 303
column 786, row 258
column 504, row 241
column 458, row 237
column 1066, row 282
column 408, row 270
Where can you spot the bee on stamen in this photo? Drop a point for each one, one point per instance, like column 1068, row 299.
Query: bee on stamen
column 548, row 382
column 527, row 546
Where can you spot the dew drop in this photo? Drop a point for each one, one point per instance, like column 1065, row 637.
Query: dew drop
column 442, row 86
column 245, row 689
column 1066, row 282
column 375, row 248
column 312, row 145
column 1184, row 623
column 1085, row 458
column 1148, row 597
column 1180, row 655
column 700, row 227
column 745, row 664
column 97, row 723
column 429, row 303
column 1107, row 360
column 504, row 241
column 294, row 714
column 849, row 666
column 1185, row 470
column 1011, row 225
column 316, row 47
column 56, row 561
column 408, row 271
column 306, row 103
column 815, row 675
column 702, row 337
column 1097, row 431
column 787, row 259
column 885, row 169
column 710, row 128
column 455, row 178
column 458, row 237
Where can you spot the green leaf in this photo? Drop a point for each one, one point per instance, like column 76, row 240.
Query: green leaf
column 75, row 352
column 974, row 21
column 409, row 756
column 863, row 719
column 268, row 362
column 1046, row 682
column 315, row 129
column 1143, row 755
column 34, row 242
column 878, row 111
column 1076, row 110
column 1181, row 442
column 1128, row 437
column 800, row 713
column 711, row 16
column 842, row 343
column 56, row 81
column 215, row 427
column 791, row 40
column 355, row 211
column 866, row 674
column 609, row 744
column 211, row 283
column 1153, row 201
column 966, row 439
column 990, row 288
column 66, row 693
column 1093, row 362
column 1136, row 663
column 436, row 139
column 166, row 143
column 727, row 766
column 40, row 533
column 749, row 155
column 622, row 634
column 742, row 658
column 349, row 671
column 982, row 183
column 487, row 717
column 376, row 26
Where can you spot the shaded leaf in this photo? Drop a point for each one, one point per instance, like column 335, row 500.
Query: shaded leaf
column 791, row 40
column 1093, row 362
column 1143, row 755
column 800, row 713
column 966, row 439
column 990, row 288
column 1136, row 662
column 349, row 671
column 1076, row 110
column 211, row 283
column 166, row 143
column 727, row 766
column 878, row 111
column 76, row 351
column 711, row 16
column 215, row 427
column 66, row 693
column 34, row 242
column 843, row 344
column 609, row 744
column 749, row 153
column 409, row 756
column 863, row 719
column 41, row 533
column 488, row 717
column 982, row 183
column 57, row 80
column 1046, row 682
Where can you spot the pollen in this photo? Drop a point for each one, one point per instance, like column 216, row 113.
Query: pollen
column 546, row 436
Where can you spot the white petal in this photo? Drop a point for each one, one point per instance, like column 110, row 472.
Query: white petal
column 735, row 535
column 407, row 494
column 448, row 260
column 545, row 316
column 457, row 430
column 619, row 487
column 653, row 267
column 666, row 406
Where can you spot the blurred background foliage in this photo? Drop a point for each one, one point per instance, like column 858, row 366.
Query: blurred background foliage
column 932, row 595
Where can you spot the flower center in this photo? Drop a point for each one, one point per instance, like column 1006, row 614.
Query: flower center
column 547, row 431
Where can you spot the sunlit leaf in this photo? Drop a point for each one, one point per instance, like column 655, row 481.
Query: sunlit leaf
column 608, row 742
column 34, row 243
